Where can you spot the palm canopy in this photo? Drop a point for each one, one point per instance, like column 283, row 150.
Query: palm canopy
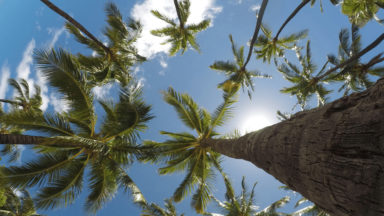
column 185, row 151
column 155, row 210
column 74, row 140
column 23, row 98
column 305, row 83
column 182, row 35
column 312, row 210
column 122, row 54
column 18, row 205
column 268, row 46
column 244, row 204
column 235, row 70
column 360, row 12
column 24, row 101
column 354, row 75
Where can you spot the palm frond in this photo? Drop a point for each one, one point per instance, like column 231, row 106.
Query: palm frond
column 64, row 73
column 64, row 190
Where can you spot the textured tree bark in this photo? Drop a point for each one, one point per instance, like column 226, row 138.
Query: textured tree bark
column 20, row 139
column 332, row 155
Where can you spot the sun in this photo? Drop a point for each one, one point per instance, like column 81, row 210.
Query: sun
column 255, row 123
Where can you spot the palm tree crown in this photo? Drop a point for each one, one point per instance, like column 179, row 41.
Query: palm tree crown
column 272, row 46
column 305, row 85
column 244, row 204
column 18, row 205
column 24, row 98
column 155, row 210
column 312, row 210
column 180, row 35
column 75, row 140
column 122, row 54
column 235, row 70
column 24, row 101
column 185, row 152
column 360, row 12
column 354, row 75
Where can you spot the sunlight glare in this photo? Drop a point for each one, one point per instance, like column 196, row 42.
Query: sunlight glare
column 255, row 123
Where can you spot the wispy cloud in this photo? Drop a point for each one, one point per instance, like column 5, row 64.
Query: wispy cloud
column 149, row 45
column 44, row 89
column 55, row 32
column 21, row 149
column 141, row 81
column 103, row 91
column 162, row 73
column 255, row 7
column 162, row 62
column 38, row 27
column 5, row 73
column 39, row 11
column 58, row 104
column 24, row 69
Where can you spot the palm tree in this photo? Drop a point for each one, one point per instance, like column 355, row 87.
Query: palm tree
column 236, row 71
column 272, row 46
column 180, row 35
column 283, row 116
column 186, row 152
column 18, row 205
column 155, row 210
column 312, row 210
column 121, row 55
column 298, row 8
column 244, row 204
column 305, row 85
column 75, row 23
column 355, row 74
column 23, row 98
column 24, row 101
column 360, row 12
column 74, row 140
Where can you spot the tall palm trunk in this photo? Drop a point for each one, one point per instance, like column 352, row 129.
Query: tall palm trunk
column 333, row 155
column 258, row 25
column 178, row 14
column 20, row 139
column 291, row 16
column 75, row 23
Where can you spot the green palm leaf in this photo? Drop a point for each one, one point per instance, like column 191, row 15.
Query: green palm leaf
column 65, row 189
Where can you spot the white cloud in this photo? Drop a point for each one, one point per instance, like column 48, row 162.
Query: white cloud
column 24, row 69
column 55, row 35
column 103, row 91
column 5, row 73
column 21, row 149
column 44, row 90
column 58, row 104
column 162, row 73
column 149, row 45
column 39, row 11
column 163, row 63
column 255, row 7
column 136, row 70
column 141, row 81
column 38, row 27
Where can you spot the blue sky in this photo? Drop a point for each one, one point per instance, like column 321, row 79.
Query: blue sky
column 27, row 25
